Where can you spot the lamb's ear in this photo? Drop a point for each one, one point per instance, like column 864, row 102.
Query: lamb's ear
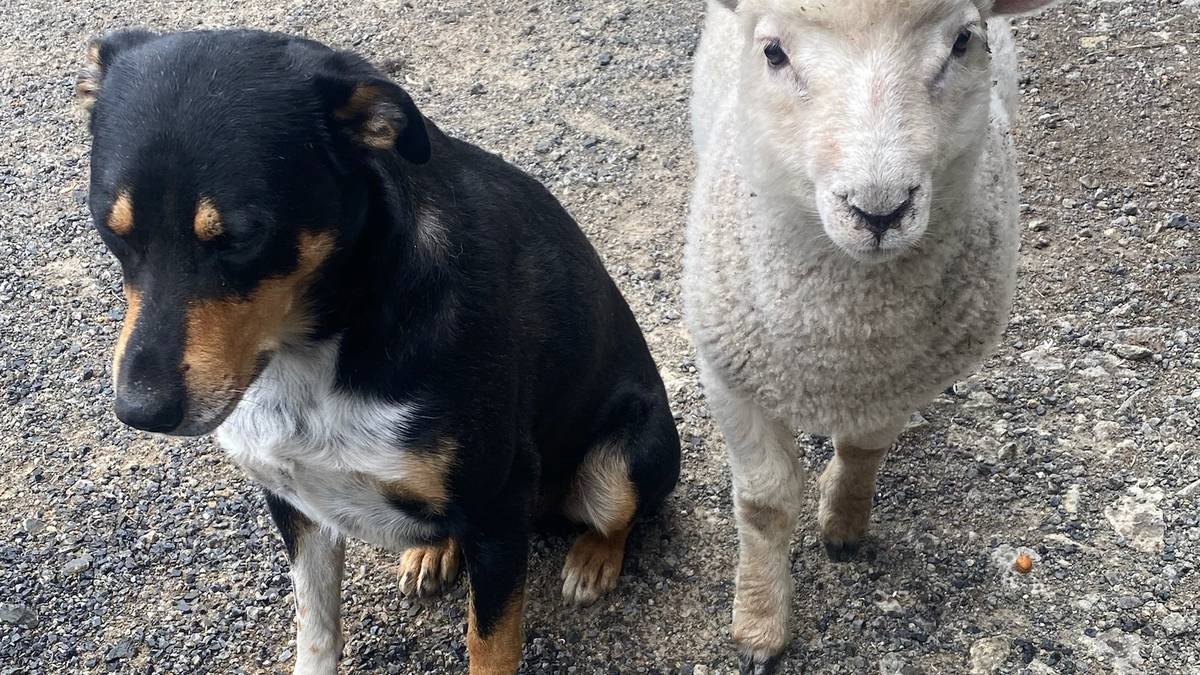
column 376, row 113
column 101, row 52
column 1008, row 7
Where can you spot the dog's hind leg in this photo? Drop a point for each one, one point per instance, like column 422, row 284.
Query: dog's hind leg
column 317, row 560
column 621, row 478
column 767, row 494
column 603, row 498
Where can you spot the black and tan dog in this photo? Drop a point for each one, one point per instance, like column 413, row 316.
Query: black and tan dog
column 403, row 338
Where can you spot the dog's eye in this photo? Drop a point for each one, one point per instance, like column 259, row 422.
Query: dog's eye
column 962, row 43
column 775, row 54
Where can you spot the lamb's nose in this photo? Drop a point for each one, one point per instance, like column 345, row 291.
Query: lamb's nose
column 879, row 220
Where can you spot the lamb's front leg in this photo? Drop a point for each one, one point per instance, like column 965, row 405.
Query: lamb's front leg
column 767, row 493
column 847, row 488
column 317, row 559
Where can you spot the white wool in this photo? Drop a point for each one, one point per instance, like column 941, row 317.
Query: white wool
column 787, row 319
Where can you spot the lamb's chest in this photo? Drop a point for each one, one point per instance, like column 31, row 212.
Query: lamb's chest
column 833, row 354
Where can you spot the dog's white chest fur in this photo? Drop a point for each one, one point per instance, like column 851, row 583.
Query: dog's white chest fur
column 326, row 451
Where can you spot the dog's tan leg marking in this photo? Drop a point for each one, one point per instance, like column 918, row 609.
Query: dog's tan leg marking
column 603, row 498
column 428, row 570
column 317, row 582
column 497, row 651
column 768, row 493
column 847, row 488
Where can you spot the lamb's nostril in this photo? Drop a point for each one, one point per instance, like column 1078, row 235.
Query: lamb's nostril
column 877, row 221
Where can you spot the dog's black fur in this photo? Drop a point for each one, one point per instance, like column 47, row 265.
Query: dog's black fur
column 453, row 277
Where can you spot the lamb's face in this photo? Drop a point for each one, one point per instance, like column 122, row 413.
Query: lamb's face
column 860, row 108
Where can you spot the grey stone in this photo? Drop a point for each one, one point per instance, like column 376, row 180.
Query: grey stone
column 894, row 664
column 18, row 615
column 1132, row 352
column 78, row 565
column 120, row 651
column 1130, row 602
column 988, row 655
column 1138, row 519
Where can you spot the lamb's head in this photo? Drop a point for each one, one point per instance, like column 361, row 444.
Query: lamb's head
column 865, row 110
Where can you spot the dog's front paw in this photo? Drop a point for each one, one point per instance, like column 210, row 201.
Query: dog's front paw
column 592, row 568
column 426, row 571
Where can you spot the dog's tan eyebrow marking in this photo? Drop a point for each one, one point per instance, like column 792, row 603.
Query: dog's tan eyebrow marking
column 120, row 217
column 207, row 223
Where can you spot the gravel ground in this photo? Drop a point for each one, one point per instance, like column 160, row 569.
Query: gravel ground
column 1076, row 444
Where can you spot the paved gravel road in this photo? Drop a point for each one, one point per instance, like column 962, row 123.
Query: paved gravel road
column 1077, row 443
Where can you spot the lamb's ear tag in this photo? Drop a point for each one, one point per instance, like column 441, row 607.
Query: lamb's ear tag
column 381, row 116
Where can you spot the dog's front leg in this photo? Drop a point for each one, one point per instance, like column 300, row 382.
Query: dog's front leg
column 317, row 558
column 767, row 494
column 496, row 555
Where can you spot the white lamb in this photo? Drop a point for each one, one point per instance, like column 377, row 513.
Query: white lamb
column 851, row 248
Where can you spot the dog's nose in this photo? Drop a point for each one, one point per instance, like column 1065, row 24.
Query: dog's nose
column 150, row 410
column 877, row 215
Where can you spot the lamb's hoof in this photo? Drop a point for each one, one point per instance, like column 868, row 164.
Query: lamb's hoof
column 841, row 551
column 749, row 664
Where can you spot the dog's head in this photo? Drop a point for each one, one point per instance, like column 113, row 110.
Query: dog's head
column 225, row 179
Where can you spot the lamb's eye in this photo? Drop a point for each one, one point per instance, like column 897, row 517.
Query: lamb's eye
column 962, row 43
column 775, row 54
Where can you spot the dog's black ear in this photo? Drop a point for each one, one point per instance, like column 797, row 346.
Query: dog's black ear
column 376, row 113
column 101, row 52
